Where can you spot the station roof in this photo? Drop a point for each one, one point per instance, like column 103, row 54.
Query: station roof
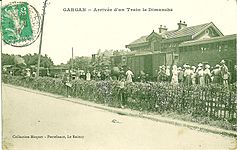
column 186, row 31
column 209, row 40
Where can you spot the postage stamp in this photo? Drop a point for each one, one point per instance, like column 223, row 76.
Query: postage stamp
column 20, row 24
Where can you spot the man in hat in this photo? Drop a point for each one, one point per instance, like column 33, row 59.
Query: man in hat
column 201, row 74
column 224, row 73
column 216, row 74
column 180, row 75
column 167, row 72
column 67, row 82
column 121, row 94
column 207, row 74
column 193, row 75
column 184, row 69
column 187, row 75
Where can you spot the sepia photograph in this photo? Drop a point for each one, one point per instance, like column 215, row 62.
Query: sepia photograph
column 118, row 75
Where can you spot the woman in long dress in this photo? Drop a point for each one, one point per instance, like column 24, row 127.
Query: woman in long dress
column 174, row 79
column 129, row 75
column 88, row 76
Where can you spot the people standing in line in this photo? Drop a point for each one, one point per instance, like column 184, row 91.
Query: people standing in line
column 193, row 75
column 174, row 79
column 88, row 76
column 129, row 75
column 207, row 74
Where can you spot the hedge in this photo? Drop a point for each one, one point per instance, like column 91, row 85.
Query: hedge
column 214, row 101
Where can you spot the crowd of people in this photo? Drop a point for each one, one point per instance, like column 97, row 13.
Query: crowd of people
column 202, row 74
column 191, row 75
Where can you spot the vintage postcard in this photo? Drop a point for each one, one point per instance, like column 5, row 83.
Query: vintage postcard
column 118, row 74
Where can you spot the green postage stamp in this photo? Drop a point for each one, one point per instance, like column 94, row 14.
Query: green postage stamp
column 20, row 24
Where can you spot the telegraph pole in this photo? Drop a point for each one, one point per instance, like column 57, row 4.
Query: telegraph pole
column 72, row 59
column 41, row 36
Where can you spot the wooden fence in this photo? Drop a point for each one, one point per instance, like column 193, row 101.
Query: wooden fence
column 214, row 101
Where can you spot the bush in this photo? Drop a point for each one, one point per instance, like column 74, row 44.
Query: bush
column 213, row 101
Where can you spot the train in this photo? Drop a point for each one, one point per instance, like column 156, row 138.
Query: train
column 207, row 45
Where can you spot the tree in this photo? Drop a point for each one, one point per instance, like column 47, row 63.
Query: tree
column 79, row 63
column 27, row 59
column 7, row 59
column 18, row 60
column 45, row 61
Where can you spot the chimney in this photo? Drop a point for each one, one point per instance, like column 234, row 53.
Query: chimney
column 162, row 29
column 181, row 25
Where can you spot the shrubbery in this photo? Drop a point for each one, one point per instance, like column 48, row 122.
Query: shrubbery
column 213, row 101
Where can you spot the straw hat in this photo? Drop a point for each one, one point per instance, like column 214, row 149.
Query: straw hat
column 207, row 66
column 199, row 65
column 199, row 68
column 174, row 66
column 222, row 61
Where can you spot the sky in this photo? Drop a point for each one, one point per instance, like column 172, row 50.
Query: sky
column 89, row 31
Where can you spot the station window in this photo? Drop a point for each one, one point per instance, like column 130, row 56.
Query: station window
column 225, row 47
column 219, row 48
column 203, row 49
